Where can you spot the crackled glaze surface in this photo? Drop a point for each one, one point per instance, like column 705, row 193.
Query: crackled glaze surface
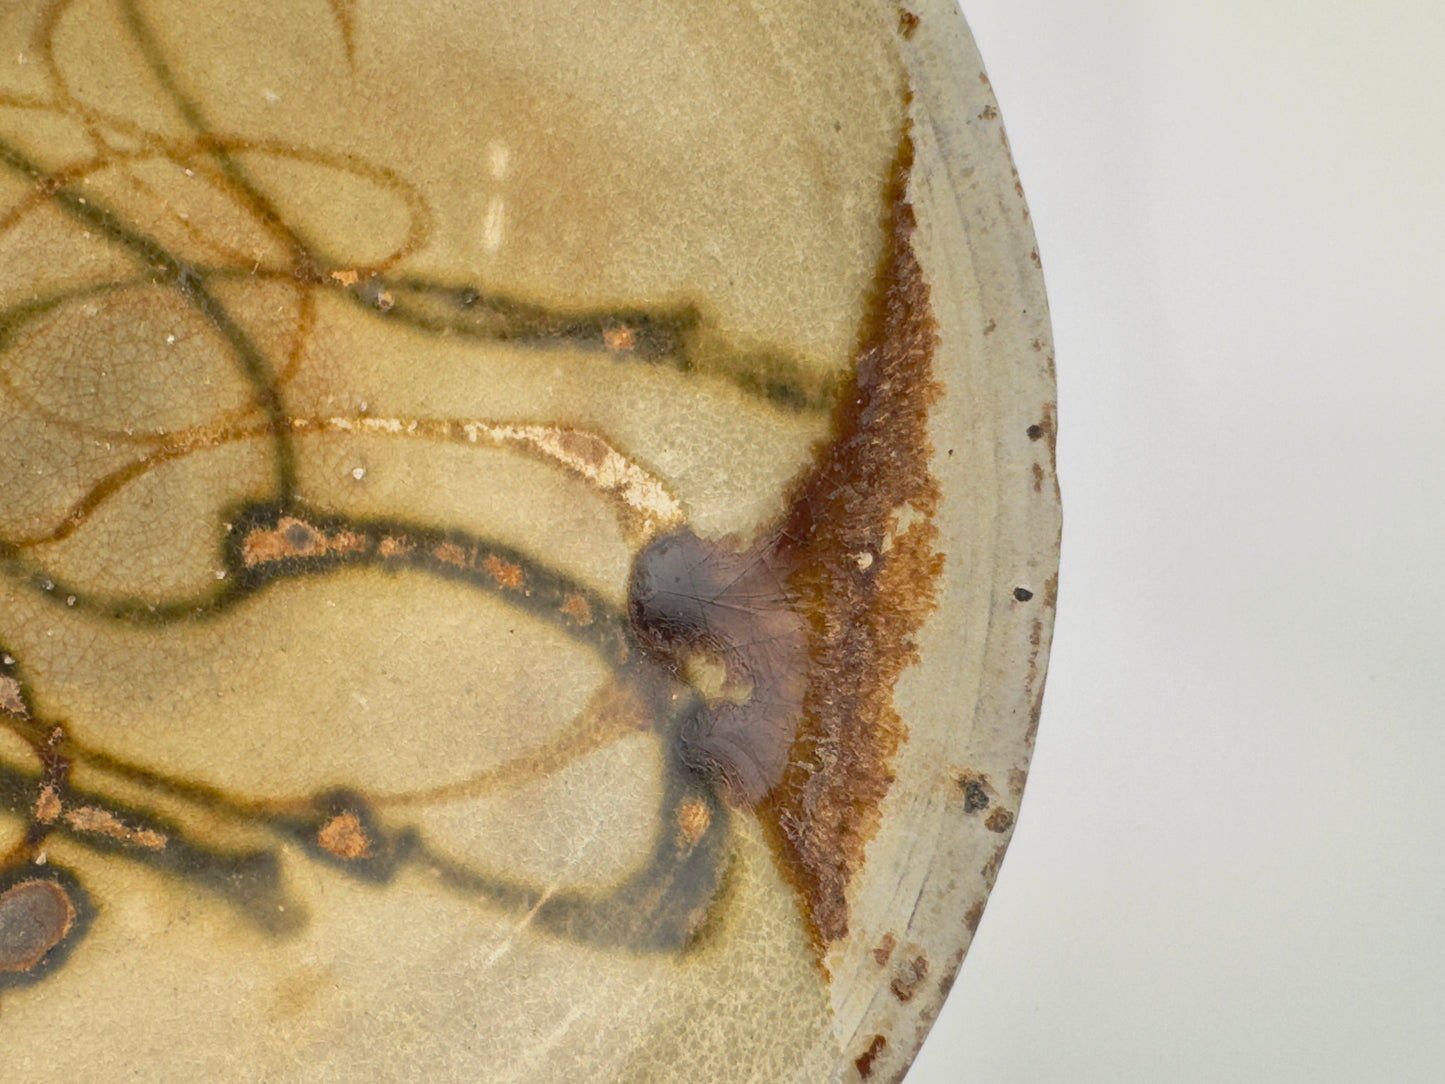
column 526, row 538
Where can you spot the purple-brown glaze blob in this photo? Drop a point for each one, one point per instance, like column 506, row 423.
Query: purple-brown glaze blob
column 690, row 597
column 35, row 916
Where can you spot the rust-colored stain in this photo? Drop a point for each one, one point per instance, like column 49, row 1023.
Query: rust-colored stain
column 620, row 340
column 35, row 916
column 1000, row 820
column 1044, row 428
column 1034, row 682
column 449, row 553
column 862, row 620
column 973, row 916
column 884, row 950
column 950, row 971
column 344, row 837
column 105, row 823
column 864, row 1062
column 693, row 821
column 590, row 449
column 907, row 23
column 394, row 547
column 577, row 608
column 909, row 978
column 295, row 538
column 504, row 572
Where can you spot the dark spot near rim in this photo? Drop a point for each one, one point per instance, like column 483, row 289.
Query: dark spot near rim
column 909, row 978
column 1023, row 594
column 1036, row 432
column 864, row 1062
column 975, row 798
column 1000, row 820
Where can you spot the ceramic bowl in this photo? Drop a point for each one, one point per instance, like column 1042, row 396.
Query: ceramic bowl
column 528, row 536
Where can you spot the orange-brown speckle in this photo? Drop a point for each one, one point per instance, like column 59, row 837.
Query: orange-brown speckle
column 693, row 820
column 47, row 806
column 619, row 340
column 292, row 537
column 391, row 546
column 504, row 572
column 344, row 837
column 578, row 609
column 451, row 554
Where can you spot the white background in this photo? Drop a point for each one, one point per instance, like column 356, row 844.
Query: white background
column 1230, row 862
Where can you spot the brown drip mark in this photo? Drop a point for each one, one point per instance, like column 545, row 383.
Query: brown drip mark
column 807, row 630
column 293, row 537
column 863, row 613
